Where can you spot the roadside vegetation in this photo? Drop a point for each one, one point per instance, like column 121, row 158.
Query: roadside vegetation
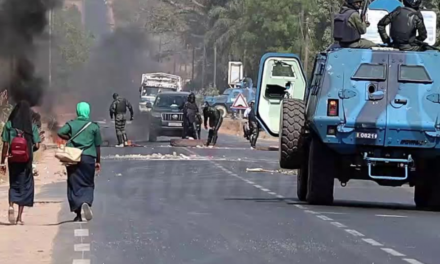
column 240, row 30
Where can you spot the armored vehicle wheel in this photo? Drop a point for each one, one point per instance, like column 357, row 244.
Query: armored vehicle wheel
column 421, row 195
column 426, row 194
column 322, row 172
column 302, row 178
column 292, row 122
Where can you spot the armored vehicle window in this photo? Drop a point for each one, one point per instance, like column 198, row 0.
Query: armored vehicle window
column 413, row 73
column 370, row 72
column 281, row 69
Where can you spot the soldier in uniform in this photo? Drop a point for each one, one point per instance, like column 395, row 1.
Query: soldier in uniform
column 348, row 27
column 190, row 111
column 118, row 109
column 254, row 126
column 215, row 121
column 405, row 23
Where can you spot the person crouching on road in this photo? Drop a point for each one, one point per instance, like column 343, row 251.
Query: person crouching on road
column 118, row 109
column 190, row 111
column 20, row 134
column 215, row 121
column 254, row 127
column 81, row 177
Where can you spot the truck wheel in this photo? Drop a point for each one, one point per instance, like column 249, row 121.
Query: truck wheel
column 222, row 110
column 292, row 123
column 322, row 172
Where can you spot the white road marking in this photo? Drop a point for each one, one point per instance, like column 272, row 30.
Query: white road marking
column 82, row 247
column 81, row 232
column 372, row 242
column 354, row 232
column 393, row 252
column 337, row 224
column 412, row 261
column 81, row 261
column 334, row 213
column 397, row 216
column 325, row 218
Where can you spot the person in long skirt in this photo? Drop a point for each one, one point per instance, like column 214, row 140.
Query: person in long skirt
column 81, row 177
column 21, row 179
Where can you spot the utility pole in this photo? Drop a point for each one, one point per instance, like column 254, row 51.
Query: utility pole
column 193, row 63
column 215, row 64
column 203, row 65
column 306, row 44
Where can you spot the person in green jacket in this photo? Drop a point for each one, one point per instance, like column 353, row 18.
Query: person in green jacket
column 81, row 177
column 21, row 180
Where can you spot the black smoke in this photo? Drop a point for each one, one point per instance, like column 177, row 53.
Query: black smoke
column 22, row 22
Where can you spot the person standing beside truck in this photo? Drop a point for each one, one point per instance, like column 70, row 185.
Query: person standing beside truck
column 254, row 126
column 190, row 111
column 118, row 109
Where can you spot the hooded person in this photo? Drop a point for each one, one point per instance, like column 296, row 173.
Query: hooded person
column 118, row 110
column 254, row 126
column 215, row 121
column 84, row 134
column 21, row 181
column 190, row 111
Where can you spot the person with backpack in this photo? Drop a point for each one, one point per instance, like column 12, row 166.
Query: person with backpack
column 83, row 134
column 20, row 139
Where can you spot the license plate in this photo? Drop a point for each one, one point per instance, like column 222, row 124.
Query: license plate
column 366, row 135
column 175, row 124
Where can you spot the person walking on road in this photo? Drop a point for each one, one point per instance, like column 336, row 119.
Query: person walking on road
column 20, row 139
column 81, row 177
column 254, row 126
column 190, row 111
column 118, row 109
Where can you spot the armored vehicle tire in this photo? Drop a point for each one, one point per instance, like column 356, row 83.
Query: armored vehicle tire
column 222, row 110
column 302, row 178
column 421, row 195
column 292, row 121
column 426, row 194
column 322, row 172
column 301, row 182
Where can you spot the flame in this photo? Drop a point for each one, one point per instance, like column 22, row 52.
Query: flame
column 59, row 141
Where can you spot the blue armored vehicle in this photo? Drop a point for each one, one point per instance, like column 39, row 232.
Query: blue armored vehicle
column 368, row 114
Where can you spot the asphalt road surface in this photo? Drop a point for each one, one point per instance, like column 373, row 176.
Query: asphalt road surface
column 205, row 208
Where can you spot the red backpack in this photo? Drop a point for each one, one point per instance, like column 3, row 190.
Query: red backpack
column 19, row 149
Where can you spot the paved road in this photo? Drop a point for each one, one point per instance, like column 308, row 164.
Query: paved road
column 212, row 211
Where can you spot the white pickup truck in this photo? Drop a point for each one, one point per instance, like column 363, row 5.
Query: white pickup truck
column 154, row 83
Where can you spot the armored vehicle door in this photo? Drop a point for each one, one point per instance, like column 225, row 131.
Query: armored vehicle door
column 414, row 100
column 364, row 95
column 279, row 76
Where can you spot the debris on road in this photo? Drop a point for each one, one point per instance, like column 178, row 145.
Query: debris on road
column 287, row 172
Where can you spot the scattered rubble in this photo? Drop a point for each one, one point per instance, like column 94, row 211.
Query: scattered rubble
column 286, row 172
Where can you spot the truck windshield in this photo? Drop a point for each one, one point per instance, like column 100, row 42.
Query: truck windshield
column 170, row 101
column 153, row 91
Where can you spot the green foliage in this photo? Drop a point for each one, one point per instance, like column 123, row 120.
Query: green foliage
column 71, row 45
column 244, row 30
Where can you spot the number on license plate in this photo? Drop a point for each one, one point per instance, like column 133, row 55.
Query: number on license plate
column 174, row 124
column 366, row 135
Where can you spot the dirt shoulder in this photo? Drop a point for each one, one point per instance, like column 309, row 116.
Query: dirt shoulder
column 235, row 127
column 33, row 242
